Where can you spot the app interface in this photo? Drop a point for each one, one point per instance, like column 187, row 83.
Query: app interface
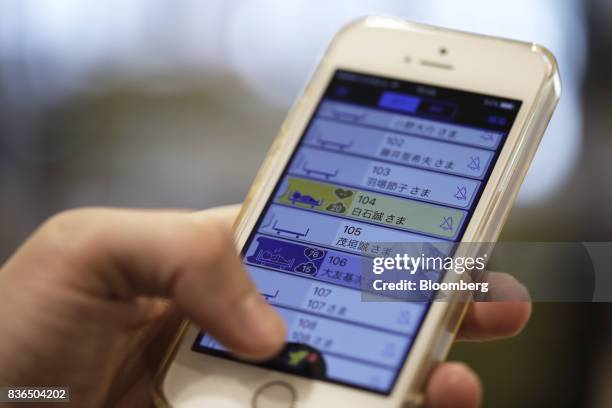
column 381, row 161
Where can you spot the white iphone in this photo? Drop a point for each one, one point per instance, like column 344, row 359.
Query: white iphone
column 405, row 133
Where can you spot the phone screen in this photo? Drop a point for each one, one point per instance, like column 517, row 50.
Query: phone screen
column 381, row 160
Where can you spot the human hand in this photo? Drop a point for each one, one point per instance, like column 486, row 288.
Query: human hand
column 455, row 385
column 93, row 298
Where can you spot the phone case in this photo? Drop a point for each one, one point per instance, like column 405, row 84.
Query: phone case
column 490, row 225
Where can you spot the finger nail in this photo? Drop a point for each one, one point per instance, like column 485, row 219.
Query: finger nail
column 263, row 327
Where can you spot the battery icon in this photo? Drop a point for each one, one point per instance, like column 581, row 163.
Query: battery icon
column 506, row 105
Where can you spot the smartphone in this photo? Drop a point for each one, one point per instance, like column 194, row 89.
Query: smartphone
column 432, row 128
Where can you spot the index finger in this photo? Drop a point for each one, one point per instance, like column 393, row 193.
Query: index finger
column 504, row 315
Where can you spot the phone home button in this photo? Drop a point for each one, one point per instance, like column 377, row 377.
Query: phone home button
column 275, row 394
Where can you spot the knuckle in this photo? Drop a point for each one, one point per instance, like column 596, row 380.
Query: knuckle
column 213, row 242
column 201, row 244
column 202, row 247
column 219, row 242
column 70, row 234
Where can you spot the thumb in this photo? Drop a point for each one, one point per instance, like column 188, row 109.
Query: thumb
column 116, row 254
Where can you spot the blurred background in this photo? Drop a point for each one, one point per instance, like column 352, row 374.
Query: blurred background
column 151, row 103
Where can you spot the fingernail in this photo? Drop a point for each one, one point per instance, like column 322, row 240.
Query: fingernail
column 262, row 325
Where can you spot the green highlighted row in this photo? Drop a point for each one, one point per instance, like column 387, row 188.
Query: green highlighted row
column 363, row 205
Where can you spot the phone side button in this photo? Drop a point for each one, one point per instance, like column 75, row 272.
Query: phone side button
column 275, row 394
